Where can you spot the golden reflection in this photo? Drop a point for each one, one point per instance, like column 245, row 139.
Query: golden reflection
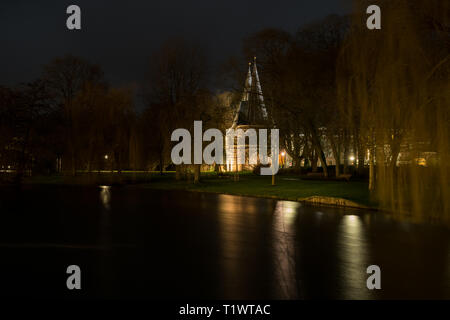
column 285, row 214
column 105, row 196
column 284, row 248
column 239, row 221
column 353, row 255
column 105, row 219
column 233, row 219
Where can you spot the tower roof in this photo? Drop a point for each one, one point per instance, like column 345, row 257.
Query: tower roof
column 251, row 109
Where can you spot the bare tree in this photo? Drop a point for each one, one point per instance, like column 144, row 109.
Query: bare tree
column 175, row 90
column 66, row 76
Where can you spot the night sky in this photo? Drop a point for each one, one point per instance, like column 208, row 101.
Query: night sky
column 121, row 35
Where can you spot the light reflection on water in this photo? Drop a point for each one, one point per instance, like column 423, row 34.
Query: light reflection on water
column 351, row 248
column 284, row 247
column 353, row 255
column 105, row 196
column 238, row 213
column 105, row 240
column 105, row 219
column 230, row 240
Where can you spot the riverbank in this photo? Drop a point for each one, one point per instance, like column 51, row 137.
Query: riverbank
column 336, row 193
column 288, row 187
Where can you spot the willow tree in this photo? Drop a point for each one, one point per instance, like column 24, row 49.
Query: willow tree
column 393, row 90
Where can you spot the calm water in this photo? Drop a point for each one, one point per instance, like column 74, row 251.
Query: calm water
column 136, row 242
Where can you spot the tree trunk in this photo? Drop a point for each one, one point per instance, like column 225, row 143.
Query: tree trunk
column 361, row 156
column 74, row 170
column 346, row 147
column 178, row 172
column 323, row 162
column 197, row 173
column 338, row 165
column 360, row 163
column 336, row 155
column 395, row 147
column 318, row 148
column 371, row 171
column 297, row 162
column 313, row 161
column 355, row 152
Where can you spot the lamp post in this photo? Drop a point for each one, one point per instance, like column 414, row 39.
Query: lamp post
column 352, row 159
column 106, row 157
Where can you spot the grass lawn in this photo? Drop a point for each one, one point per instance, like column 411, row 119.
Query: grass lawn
column 287, row 187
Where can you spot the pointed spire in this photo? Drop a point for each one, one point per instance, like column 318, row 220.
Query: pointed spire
column 249, row 111
column 259, row 90
column 248, row 83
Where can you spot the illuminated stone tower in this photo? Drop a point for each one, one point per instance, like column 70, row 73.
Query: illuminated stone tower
column 250, row 113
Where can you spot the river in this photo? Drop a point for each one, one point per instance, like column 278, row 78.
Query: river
column 135, row 242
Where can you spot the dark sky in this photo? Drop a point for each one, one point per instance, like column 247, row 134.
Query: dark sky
column 120, row 35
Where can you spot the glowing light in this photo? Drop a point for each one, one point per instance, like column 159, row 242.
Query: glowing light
column 421, row 162
column 352, row 158
column 106, row 157
column 283, row 153
column 105, row 196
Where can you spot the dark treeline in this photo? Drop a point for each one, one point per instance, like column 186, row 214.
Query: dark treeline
column 71, row 120
column 67, row 120
column 375, row 103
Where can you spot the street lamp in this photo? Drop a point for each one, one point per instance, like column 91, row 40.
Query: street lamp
column 352, row 160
